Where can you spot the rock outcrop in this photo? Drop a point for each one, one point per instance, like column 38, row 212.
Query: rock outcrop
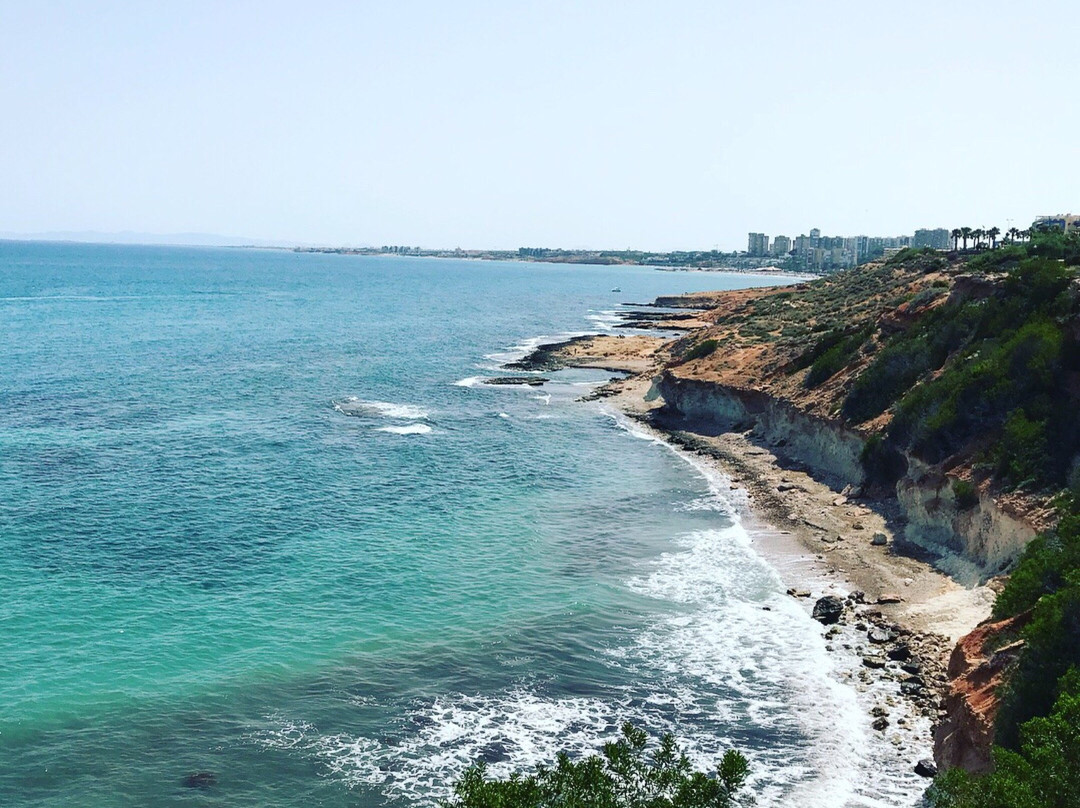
column 979, row 665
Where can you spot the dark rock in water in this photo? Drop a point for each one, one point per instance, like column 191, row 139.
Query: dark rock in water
column 494, row 752
column 914, row 668
column 858, row 596
column 880, row 724
column 546, row 357
column 828, row 609
column 873, row 662
column 926, row 768
column 901, row 653
column 911, row 688
column 200, row 780
column 532, row 381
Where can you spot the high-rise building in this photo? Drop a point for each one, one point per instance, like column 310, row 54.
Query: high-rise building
column 781, row 246
column 758, row 244
column 1062, row 221
column 937, row 238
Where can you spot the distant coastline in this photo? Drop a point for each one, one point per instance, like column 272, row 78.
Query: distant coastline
column 684, row 261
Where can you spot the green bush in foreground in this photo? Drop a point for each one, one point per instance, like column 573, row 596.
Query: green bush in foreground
column 623, row 776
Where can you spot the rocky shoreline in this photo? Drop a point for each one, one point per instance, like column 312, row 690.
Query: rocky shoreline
column 890, row 618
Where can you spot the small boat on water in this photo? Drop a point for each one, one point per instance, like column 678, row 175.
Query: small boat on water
column 616, row 289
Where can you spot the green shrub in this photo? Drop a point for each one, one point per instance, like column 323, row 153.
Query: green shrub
column 1043, row 567
column 1050, row 650
column 925, row 296
column 896, row 367
column 1021, row 453
column 965, row 494
column 702, row 349
column 830, row 354
column 882, row 463
column 623, row 776
column 998, row 260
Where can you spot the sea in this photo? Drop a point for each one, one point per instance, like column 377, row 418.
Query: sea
column 266, row 539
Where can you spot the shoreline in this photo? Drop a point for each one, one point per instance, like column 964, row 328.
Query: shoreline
column 899, row 616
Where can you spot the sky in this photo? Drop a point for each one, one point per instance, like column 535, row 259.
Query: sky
column 644, row 125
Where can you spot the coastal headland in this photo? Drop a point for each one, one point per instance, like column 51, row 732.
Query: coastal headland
column 900, row 567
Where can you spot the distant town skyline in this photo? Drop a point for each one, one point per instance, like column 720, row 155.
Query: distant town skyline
column 581, row 125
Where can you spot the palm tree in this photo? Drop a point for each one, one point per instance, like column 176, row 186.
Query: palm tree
column 978, row 234
column 956, row 233
column 965, row 234
column 1014, row 234
column 992, row 234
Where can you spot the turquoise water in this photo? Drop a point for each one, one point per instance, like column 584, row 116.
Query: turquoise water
column 257, row 519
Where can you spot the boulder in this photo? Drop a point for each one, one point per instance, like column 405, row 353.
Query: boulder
column 828, row 609
column 880, row 724
column 926, row 768
column 879, row 540
column 900, row 653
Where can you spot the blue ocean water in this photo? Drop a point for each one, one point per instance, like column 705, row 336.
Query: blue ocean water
column 257, row 520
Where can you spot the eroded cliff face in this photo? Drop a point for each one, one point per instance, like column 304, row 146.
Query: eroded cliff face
column 984, row 537
column 827, row 448
column 981, row 532
column 979, row 666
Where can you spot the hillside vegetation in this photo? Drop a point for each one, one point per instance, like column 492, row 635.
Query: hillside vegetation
column 970, row 363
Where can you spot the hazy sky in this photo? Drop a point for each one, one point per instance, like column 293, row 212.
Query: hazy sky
column 658, row 125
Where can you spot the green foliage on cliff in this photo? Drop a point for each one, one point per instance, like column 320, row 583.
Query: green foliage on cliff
column 1043, row 773
column 830, row 354
column 992, row 370
column 993, row 376
column 624, row 775
column 702, row 349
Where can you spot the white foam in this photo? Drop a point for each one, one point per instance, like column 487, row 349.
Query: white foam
column 606, row 319
column 727, row 639
column 385, row 409
column 711, row 661
column 443, row 737
column 408, row 429
column 515, row 353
